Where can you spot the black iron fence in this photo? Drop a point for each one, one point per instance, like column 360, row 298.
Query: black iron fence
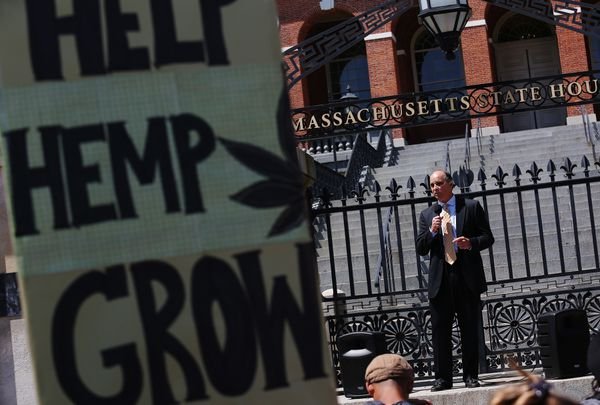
column 545, row 259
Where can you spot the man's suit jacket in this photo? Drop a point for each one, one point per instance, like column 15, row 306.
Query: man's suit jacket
column 471, row 222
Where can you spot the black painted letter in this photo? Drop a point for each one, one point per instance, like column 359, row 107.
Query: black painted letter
column 120, row 56
column 79, row 175
column 45, row 29
column 305, row 327
column 156, row 157
column 159, row 341
column 189, row 156
column 112, row 285
column 213, row 31
column 166, row 47
column 25, row 178
column 231, row 367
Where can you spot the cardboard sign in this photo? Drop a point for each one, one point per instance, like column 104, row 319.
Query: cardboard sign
column 156, row 204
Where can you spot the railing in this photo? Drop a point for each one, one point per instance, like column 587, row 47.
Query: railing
column 333, row 150
column 385, row 259
column 478, row 138
column 545, row 258
column 587, row 129
column 595, row 136
column 467, row 159
column 361, row 154
column 447, row 160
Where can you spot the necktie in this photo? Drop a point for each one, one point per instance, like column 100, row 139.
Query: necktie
column 449, row 253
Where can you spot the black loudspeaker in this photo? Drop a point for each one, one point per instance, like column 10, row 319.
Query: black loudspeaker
column 356, row 350
column 564, row 338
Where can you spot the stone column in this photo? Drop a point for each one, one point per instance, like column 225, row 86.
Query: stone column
column 573, row 58
column 383, row 70
column 477, row 58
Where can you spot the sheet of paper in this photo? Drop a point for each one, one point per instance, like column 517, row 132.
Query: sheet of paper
column 156, row 204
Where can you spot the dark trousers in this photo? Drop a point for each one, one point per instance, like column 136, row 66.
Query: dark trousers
column 455, row 297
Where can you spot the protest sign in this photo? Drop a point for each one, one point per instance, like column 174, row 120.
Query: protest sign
column 156, row 204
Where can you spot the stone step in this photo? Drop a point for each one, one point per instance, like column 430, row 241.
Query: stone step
column 411, row 278
column 576, row 388
column 512, row 214
column 557, row 150
column 353, row 228
column 493, row 203
column 418, row 173
column 515, row 243
column 491, row 145
column 504, row 150
column 499, row 249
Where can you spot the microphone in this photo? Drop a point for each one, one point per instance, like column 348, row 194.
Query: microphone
column 437, row 209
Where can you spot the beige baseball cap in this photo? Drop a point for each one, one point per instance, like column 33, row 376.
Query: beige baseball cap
column 387, row 367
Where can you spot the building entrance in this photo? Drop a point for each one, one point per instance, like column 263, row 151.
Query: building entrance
column 526, row 59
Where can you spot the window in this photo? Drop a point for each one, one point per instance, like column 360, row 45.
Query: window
column 518, row 27
column 432, row 70
column 349, row 69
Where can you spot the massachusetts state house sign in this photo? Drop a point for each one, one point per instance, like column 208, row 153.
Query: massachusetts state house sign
column 412, row 109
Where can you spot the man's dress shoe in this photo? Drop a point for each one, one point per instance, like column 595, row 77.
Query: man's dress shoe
column 441, row 385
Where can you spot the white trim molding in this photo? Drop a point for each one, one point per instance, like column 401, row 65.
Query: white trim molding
column 475, row 23
column 486, row 131
column 326, row 4
column 399, row 143
column 381, row 35
column 563, row 11
column 578, row 119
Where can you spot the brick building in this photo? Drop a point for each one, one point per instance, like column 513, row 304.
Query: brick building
column 401, row 57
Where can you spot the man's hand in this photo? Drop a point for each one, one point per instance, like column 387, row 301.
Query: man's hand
column 463, row 242
column 436, row 224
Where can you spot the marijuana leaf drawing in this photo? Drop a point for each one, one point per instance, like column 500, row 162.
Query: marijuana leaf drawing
column 283, row 184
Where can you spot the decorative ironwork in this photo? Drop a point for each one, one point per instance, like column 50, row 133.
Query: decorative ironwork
column 309, row 55
column 354, row 326
column 413, row 109
column 510, row 330
column 556, row 276
column 316, row 51
column 573, row 15
column 513, row 324
column 592, row 307
column 402, row 335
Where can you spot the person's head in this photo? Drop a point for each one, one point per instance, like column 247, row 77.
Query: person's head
column 534, row 392
column 441, row 184
column 389, row 372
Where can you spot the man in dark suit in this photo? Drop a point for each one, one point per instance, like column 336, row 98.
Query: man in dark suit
column 456, row 276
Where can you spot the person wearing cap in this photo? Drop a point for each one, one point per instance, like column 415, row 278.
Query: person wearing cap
column 389, row 380
column 593, row 363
